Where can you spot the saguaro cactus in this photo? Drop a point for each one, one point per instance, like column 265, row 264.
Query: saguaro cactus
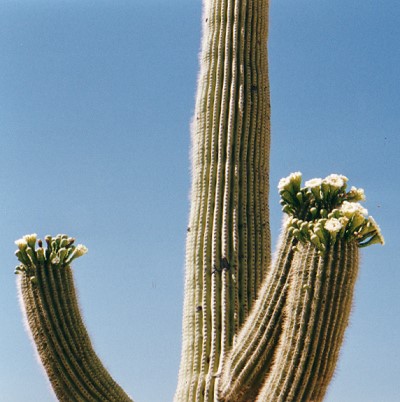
column 253, row 330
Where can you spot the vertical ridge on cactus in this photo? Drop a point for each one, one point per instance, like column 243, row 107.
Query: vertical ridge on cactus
column 228, row 243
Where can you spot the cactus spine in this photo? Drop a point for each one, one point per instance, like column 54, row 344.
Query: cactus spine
column 228, row 245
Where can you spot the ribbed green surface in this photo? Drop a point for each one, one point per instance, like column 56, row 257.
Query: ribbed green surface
column 317, row 313
column 62, row 342
column 251, row 357
column 228, row 244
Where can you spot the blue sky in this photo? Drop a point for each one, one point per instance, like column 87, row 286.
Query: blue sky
column 96, row 99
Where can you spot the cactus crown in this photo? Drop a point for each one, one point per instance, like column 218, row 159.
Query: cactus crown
column 60, row 252
column 323, row 211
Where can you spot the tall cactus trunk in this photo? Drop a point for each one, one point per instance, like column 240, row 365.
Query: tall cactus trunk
column 228, row 242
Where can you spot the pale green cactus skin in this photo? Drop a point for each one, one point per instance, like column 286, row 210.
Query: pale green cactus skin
column 317, row 313
column 229, row 211
column 251, row 356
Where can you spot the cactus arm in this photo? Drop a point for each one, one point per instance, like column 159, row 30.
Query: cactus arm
column 333, row 334
column 319, row 303
column 228, row 243
column 288, row 348
column 52, row 313
column 35, row 318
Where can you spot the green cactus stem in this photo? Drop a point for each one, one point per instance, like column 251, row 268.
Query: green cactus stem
column 228, row 245
column 307, row 296
column 317, row 313
column 50, row 305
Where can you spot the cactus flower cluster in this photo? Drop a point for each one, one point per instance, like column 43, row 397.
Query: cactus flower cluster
column 60, row 252
column 323, row 212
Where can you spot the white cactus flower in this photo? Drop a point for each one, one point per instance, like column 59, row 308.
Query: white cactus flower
column 356, row 194
column 312, row 183
column 80, row 250
column 333, row 225
column 372, row 221
column 30, row 239
column 351, row 208
column 287, row 182
column 336, row 180
column 283, row 183
column 21, row 243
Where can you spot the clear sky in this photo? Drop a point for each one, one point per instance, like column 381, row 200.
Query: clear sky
column 96, row 99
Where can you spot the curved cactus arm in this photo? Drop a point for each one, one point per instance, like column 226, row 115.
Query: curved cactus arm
column 306, row 298
column 318, row 309
column 228, row 243
column 49, row 302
